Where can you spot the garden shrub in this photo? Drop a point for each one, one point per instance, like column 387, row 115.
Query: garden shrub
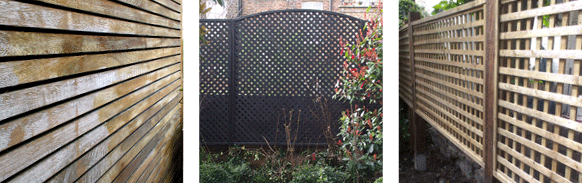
column 214, row 173
column 361, row 83
column 318, row 174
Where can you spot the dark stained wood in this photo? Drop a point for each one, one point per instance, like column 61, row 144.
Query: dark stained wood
column 20, row 14
column 490, row 116
column 418, row 125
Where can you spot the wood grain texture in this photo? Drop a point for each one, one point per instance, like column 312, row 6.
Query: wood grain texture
column 15, row 43
column 84, row 82
column 169, row 4
column 152, row 7
column 21, row 129
column 109, row 8
column 138, row 160
column 20, row 14
column 26, row 71
column 20, row 101
column 129, row 175
column 17, row 159
column 491, row 11
column 97, row 140
column 108, row 166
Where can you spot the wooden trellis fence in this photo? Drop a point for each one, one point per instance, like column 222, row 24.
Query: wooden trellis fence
column 501, row 80
column 90, row 90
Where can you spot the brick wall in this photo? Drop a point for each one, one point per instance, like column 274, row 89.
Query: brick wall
column 257, row 6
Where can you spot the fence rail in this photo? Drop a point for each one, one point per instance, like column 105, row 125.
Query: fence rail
column 500, row 79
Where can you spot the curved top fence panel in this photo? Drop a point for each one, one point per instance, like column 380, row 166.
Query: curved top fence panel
column 275, row 63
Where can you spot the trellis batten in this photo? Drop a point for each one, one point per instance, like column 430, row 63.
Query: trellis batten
column 511, row 70
column 80, row 80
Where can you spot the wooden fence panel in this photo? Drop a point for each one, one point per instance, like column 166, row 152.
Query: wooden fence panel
column 449, row 72
column 89, row 89
column 405, row 67
column 540, row 50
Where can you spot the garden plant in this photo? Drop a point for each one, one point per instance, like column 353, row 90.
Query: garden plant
column 354, row 156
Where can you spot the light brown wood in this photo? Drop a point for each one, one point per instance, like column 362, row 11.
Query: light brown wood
column 543, row 170
column 20, row 101
column 132, row 163
column 559, row 31
column 457, row 86
column 120, row 163
column 451, row 63
column 476, row 158
column 153, row 7
column 563, row 78
column 20, row 14
column 452, row 28
column 451, row 74
column 14, row 43
column 548, row 152
column 66, row 155
column 451, row 12
column 110, row 8
column 24, row 128
column 561, row 54
column 26, row 71
column 554, row 9
column 456, row 39
column 169, row 4
column 516, row 170
column 450, row 51
column 155, row 153
column 17, row 159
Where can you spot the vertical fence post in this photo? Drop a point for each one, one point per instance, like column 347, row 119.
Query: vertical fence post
column 490, row 87
column 418, row 124
column 231, row 87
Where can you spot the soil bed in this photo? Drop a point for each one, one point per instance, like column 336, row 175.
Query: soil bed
column 439, row 168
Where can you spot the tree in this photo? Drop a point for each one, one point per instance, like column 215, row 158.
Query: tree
column 406, row 6
column 446, row 5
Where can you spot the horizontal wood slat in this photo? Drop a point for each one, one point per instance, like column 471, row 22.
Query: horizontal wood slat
column 152, row 7
column 83, row 81
column 19, row 14
column 14, row 43
column 20, row 72
column 110, row 8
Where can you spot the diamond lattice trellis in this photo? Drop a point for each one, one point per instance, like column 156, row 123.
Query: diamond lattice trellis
column 283, row 61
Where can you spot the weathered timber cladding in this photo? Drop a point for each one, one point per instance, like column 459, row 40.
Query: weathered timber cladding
column 90, row 91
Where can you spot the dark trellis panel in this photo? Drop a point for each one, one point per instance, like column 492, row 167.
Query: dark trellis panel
column 283, row 61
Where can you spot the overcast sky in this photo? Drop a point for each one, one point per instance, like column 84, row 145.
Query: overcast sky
column 428, row 4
